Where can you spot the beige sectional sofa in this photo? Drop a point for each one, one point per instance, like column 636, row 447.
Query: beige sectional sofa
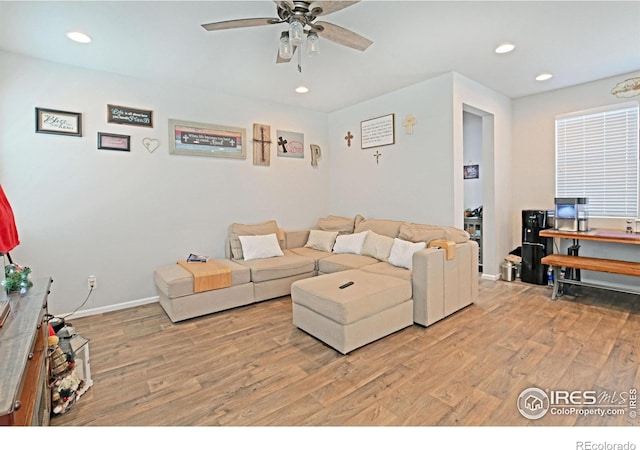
column 440, row 286
column 440, row 279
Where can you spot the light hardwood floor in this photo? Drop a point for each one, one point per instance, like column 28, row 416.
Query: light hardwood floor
column 251, row 366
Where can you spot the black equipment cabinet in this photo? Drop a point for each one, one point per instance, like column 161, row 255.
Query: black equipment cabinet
column 534, row 246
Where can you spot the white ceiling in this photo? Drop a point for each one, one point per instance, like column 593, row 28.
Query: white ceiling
column 577, row 41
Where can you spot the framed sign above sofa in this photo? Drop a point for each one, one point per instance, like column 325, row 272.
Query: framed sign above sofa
column 201, row 139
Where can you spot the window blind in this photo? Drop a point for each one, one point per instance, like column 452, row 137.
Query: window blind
column 597, row 157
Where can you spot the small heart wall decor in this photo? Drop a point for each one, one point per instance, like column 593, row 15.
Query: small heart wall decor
column 151, row 144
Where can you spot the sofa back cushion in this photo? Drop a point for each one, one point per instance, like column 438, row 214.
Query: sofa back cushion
column 414, row 232
column 426, row 233
column 377, row 246
column 388, row 228
column 321, row 240
column 240, row 229
column 343, row 225
column 457, row 235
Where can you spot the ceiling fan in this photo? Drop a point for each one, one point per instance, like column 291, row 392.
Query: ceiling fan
column 301, row 17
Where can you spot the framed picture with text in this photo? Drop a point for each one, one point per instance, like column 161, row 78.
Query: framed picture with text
column 378, row 132
column 53, row 121
column 202, row 139
column 108, row 141
column 124, row 115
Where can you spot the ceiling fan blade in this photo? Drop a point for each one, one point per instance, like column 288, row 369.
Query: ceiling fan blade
column 239, row 23
column 322, row 8
column 342, row 36
column 279, row 59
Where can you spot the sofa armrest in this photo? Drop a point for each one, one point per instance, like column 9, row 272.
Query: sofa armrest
column 295, row 238
column 443, row 286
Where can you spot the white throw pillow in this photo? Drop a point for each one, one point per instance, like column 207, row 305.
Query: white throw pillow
column 321, row 240
column 402, row 252
column 350, row 243
column 377, row 246
column 262, row 246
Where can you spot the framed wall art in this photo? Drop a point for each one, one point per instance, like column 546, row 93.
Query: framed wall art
column 378, row 132
column 129, row 116
column 108, row 141
column 53, row 121
column 202, row 139
column 471, row 171
column 290, row 144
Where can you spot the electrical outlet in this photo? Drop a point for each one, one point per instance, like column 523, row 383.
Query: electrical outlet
column 92, row 282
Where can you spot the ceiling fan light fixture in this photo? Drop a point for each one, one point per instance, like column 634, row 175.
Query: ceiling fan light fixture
column 285, row 49
column 296, row 32
column 313, row 44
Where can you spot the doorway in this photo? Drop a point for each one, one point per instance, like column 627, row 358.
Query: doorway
column 479, row 186
column 472, row 156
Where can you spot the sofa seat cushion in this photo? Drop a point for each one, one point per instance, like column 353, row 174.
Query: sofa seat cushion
column 312, row 253
column 344, row 261
column 278, row 267
column 384, row 268
column 369, row 295
column 174, row 281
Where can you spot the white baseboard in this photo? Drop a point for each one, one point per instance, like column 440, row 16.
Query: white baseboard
column 116, row 307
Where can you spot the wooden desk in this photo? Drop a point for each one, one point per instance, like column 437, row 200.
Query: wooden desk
column 574, row 261
column 596, row 234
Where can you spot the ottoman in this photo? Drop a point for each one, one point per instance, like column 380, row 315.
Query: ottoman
column 372, row 307
column 175, row 287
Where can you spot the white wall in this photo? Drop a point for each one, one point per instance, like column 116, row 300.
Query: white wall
column 119, row 215
column 419, row 178
column 533, row 162
column 413, row 180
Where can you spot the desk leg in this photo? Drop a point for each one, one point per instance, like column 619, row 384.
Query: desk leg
column 556, row 282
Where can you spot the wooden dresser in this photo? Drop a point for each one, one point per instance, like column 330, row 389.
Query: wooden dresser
column 25, row 397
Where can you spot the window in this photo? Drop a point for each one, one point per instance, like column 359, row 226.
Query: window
column 597, row 157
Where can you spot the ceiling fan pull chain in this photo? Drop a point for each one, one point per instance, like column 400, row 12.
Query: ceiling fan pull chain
column 300, row 61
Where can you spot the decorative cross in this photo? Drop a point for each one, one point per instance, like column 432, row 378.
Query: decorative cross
column 348, row 138
column 283, row 142
column 263, row 143
column 377, row 156
column 408, row 123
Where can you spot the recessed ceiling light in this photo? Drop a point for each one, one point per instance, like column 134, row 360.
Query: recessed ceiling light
column 544, row 76
column 505, row 48
column 302, row 89
column 79, row 37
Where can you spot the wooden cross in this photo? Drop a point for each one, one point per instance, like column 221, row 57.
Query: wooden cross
column 283, row 142
column 263, row 142
column 377, row 156
column 348, row 138
column 409, row 122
